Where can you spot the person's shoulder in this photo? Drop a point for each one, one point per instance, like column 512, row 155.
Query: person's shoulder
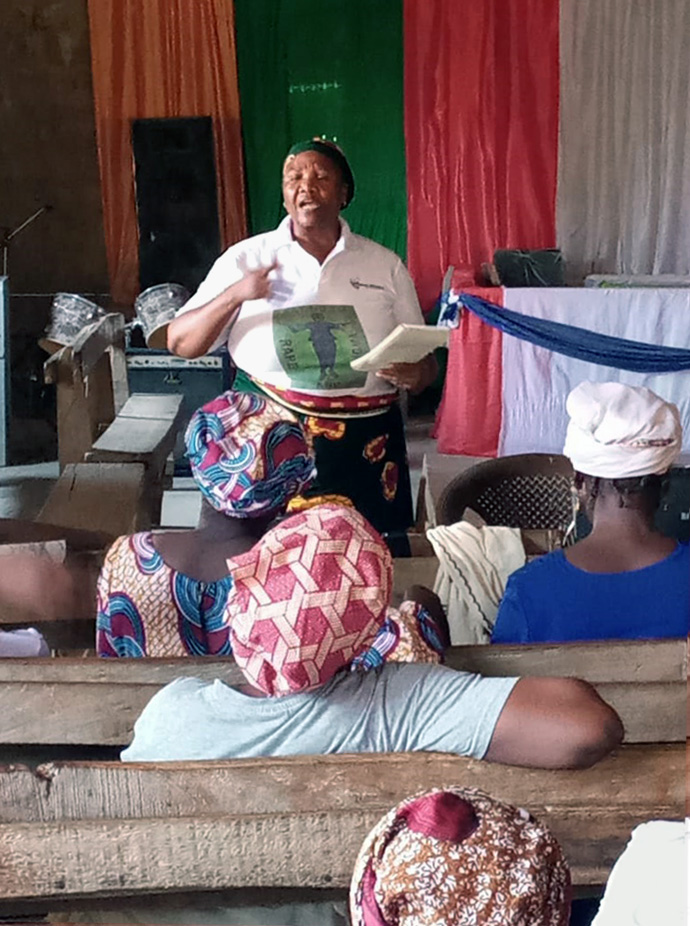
column 266, row 241
column 406, row 687
column 537, row 569
column 346, row 683
column 406, row 675
column 178, row 694
column 374, row 250
column 121, row 546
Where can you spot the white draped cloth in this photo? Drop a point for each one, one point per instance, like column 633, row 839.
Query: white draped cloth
column 474, row 565
column 623, row 202
column 648, row 885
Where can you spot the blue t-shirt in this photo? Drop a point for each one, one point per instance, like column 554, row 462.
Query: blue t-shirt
column 551, row 601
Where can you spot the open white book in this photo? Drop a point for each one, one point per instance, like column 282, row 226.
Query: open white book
column 405, row 344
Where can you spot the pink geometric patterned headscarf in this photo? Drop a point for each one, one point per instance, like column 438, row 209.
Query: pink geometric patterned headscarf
column 310, row 596
column 458, row 857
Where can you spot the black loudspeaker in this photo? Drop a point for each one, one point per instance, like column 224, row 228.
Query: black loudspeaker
column 177, row 204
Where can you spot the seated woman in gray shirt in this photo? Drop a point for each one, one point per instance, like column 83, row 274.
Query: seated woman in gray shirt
column 308, row 605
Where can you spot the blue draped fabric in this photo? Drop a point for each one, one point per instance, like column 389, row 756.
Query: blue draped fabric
column 569, row 340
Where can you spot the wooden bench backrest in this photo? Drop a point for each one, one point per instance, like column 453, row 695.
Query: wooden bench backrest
column 84, row 829
column 91, row 380
column 96, row 701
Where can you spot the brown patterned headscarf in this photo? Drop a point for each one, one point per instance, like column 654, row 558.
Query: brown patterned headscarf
column 458, row 857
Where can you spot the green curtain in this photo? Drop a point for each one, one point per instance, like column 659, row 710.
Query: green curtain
column 324, row 67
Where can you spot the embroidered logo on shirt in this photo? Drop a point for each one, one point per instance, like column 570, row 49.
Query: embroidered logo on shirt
column 357, row 284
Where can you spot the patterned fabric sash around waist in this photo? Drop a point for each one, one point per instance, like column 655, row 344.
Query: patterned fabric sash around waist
column 342, row 406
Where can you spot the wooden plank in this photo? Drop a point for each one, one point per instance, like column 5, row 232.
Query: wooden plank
column 96, row 701
column 75, row 421
column 152, row 405
column 104, row 497
column 611, row 661
column 93, row 341
column 302, row 820
column 437, row 471
column 81, row 859
column 104, row 714
column 16, row 530
column 54, row 366
column 118, row 376
column 55, row 550
column 631, row 777
column 605, row 661
column 133, row 440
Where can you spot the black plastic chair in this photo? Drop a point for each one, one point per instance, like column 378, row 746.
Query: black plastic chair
column 531, row 491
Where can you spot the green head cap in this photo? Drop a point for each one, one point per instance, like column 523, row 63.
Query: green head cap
column 330, row 150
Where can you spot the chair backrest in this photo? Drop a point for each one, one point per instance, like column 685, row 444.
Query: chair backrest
column 531, row 491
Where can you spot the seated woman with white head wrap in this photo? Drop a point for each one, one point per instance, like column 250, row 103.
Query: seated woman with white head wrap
column 625, row 580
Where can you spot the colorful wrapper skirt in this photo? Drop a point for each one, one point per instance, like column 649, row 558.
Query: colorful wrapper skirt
column 361, row 455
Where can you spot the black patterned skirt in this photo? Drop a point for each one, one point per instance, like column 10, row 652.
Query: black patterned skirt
column 361, row 457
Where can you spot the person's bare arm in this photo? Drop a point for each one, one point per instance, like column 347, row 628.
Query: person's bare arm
column 554, row 723
column 412, row 376
column 193, row 333
column 38, row 589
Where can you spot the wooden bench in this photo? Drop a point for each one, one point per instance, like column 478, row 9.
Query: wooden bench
column 108, row 829
column 99, row 422
column 96, row 701
column 94, row 829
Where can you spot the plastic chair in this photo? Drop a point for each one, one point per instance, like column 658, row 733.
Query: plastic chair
column 531, row 491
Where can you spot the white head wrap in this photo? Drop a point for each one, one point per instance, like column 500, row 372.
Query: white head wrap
column 618, row 431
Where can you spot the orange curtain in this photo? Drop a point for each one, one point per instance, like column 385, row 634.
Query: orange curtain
column 152, row 59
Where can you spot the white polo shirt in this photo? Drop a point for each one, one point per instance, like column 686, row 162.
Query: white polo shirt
column 287, row 342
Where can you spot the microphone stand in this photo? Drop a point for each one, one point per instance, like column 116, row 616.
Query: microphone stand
column 9, row 234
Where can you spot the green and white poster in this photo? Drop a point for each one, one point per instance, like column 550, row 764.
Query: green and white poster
column 315, row 344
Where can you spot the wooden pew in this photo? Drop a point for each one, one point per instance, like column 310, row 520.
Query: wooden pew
column 96, row 701
column 105, row 829
column 99, row 422
column 94, row 829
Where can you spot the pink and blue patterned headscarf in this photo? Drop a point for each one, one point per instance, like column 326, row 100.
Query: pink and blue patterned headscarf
column 249, row 455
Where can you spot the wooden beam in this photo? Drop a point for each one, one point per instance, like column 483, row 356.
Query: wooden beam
column 15, row 530
column 610, row 661
column 98, row 496
column 290, row 822
column 96, row 701
column 94, row 340
column 631, row 777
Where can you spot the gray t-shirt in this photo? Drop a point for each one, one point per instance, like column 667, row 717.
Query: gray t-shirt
column 401, row 707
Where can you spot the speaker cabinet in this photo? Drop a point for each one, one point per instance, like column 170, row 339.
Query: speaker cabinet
column 177, row 204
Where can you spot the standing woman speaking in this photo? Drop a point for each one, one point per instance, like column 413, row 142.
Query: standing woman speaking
column 295, row 306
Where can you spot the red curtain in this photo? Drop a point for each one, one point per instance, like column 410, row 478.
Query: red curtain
column 468, row 420
column 481, row 129
column 157, row 58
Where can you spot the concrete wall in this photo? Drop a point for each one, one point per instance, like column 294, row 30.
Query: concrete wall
column 48, row 149
column 47, row 155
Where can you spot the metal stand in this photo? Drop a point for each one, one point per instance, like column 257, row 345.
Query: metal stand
column 9, row 234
